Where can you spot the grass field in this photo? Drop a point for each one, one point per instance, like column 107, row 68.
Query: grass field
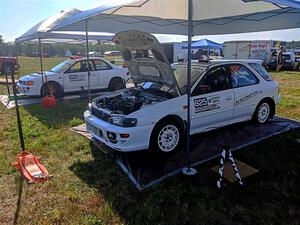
column 89, row 188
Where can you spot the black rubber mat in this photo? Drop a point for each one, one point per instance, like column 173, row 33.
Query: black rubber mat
column 149, row 167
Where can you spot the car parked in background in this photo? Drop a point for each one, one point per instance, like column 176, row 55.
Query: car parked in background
column 8, row 64
column 72, row 75
column 289, row 61
column 153, row 114
column 297, row 58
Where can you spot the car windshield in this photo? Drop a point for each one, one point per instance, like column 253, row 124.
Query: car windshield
column 61, row 67
column 261, row 70
column 180, row 73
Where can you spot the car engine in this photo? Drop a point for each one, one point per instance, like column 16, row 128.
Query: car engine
column 131, row 100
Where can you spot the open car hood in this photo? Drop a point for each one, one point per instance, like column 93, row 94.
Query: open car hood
column 146, row 60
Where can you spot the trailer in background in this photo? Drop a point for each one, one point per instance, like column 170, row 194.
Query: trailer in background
column 174, row 51
column 259, row 49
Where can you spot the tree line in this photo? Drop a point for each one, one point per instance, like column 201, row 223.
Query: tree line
column 50, row 49
column 60, row 49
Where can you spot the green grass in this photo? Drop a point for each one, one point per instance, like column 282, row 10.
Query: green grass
column 89, row 188
column 30, row 65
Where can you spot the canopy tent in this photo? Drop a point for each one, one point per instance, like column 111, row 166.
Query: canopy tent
column 40, row 30
column 204, row 43
column 171, row 17
column 188, row 17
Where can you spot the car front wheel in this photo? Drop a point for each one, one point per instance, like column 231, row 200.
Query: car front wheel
column 262, row 112
column 52, row 88
column 167, row 137
column 115, row 84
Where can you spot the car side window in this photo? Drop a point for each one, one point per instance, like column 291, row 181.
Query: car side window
column 241, row 76
column 214, row 80
column 80, row 67
column 101, row 65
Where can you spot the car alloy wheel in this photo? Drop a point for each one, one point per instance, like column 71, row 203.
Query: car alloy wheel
column 168, row 138
column 263, row 113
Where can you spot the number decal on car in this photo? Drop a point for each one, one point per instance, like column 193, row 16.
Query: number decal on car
column 206, row 104
column 200, row 102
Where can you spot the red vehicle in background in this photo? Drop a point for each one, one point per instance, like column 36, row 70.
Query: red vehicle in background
column 8, row 64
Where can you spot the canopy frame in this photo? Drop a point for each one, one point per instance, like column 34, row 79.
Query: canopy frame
column 193, row 28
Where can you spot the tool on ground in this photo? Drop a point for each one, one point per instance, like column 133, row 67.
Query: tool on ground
column 28, row 164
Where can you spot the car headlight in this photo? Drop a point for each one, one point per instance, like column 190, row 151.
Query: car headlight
column 89, row 107
column 123, row 121
column 28, row 83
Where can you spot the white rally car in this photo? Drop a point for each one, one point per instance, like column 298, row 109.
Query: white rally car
column 153, row 114
column 72, row 75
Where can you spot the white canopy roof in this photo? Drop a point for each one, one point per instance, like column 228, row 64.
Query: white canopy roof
column 170, row 16
column 40, row 30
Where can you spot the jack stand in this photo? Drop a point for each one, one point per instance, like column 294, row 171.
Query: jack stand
column 83, row 93
column 189, row 171
column 226, row 153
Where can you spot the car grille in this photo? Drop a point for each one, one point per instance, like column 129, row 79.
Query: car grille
column 100, row 114
column 94, row 129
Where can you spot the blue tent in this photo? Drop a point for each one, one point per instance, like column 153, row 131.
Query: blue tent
column 204, row 43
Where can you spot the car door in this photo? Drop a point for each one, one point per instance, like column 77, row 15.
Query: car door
column 212, row 100
column 76, row 76
column 104, row 72
column 247, row 91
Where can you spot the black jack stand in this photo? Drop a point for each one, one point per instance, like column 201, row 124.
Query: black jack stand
column 226, row 153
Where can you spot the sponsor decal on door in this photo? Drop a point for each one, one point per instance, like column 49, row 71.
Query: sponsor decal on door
column 76, row 77
column 246, row 98
column 206, row 104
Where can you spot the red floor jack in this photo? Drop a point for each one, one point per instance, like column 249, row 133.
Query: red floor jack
column 28, row 165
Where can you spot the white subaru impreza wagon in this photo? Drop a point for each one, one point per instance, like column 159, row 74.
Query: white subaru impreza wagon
column 72, row 75
column 153, row 113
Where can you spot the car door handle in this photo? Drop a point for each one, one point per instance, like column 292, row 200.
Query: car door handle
column 228, row 98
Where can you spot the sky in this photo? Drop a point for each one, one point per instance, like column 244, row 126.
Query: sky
column 18, row 16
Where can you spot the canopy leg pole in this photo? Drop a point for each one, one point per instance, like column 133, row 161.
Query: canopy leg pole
column 188, row 170
column 20, row 129
column 88, row 60
column 7, row 85
column 41, row 65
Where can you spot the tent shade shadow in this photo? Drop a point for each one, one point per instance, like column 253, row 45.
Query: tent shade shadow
column 149, row 167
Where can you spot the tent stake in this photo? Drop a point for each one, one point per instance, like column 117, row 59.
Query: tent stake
column 88, row 59
column 188, row 170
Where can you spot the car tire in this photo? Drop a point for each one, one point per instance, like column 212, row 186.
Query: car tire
column 167, row 136
column 263, row 112
column 116, row 84
column 52, row 88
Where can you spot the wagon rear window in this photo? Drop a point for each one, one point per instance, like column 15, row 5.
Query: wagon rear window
column 261, row 70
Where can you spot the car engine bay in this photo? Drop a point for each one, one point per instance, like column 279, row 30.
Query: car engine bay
column 131, row 100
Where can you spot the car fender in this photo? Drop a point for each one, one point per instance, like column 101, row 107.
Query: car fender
column 151, row 114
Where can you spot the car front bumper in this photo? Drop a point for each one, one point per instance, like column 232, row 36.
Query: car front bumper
column 277, row 99
column 30, row 90
column 110, row 135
